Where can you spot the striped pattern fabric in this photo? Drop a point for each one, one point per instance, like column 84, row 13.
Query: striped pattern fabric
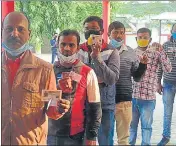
column 146, row 88
column 170, row 49
column 128, row 65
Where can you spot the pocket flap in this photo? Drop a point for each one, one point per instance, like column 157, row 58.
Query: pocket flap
column 32, row 87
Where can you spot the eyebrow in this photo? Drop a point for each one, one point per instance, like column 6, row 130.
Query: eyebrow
column 66, row 43
column 118, row 30
column 12, row 26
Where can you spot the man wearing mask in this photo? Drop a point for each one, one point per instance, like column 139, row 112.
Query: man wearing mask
column 169, row 86
column 129, row 67
column 79, row 85
column 144, row 92
column 105, row 61
column 24, row 76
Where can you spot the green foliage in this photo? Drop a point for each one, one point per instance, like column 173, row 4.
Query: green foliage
column 47, row 16
column 138, row 10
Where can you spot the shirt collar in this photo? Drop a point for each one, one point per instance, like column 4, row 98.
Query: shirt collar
column 123, row 48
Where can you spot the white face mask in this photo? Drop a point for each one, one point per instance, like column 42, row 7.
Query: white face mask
column 67, row 60
column 16, row 52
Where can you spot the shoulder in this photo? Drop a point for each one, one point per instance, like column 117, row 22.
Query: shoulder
column 130, row 49
column 166, row 43
column 43, row 64
column 131, row 54
column 109, row 49
column 91, row 74
column 85, row 67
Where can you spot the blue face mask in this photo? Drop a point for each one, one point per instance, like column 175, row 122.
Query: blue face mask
column 174, row 35
column 16, row 52
column 115, row 43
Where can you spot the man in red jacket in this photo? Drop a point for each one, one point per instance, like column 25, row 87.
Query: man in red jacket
column 80, row 86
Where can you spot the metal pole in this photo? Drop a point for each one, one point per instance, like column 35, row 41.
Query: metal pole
column 6, row 7
column 160, row 31
column 106, row 18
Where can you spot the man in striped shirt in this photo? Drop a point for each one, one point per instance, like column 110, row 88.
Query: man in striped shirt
column 144, row 98
column 129, row 67
column 169, row 86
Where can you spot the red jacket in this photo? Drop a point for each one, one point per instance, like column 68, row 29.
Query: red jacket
column 74, row 121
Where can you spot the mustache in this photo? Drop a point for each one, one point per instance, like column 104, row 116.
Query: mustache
column 67, row 53
column 118, row 39
column 14, row 39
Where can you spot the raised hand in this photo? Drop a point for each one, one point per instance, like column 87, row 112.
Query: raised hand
column 144, row 59
column 157, row 46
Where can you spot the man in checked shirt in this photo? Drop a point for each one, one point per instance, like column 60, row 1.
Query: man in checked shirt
column 144, row 99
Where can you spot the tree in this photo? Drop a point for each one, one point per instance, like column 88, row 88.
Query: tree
column 140, row 10
column 46, row 17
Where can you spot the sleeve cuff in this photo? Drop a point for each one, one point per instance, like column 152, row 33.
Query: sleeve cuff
column 142, row 66
column 91, row 135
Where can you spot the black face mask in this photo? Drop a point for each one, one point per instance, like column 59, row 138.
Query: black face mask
column 89, row 32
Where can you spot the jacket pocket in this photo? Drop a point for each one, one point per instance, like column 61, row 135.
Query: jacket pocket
column 108, row 94
column 31, row 87
column 33, row 97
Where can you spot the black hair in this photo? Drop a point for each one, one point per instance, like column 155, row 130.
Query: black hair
column 143, row 30
column 115, row 25
column 94, row 18
column 70, row 32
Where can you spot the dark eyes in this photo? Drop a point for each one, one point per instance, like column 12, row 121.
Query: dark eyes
column 19, row 29
column 87, row 29
column 145, row 38
column 116, row 32
column 71, row 45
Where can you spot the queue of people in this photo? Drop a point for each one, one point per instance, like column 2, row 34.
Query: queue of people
column 101, row 84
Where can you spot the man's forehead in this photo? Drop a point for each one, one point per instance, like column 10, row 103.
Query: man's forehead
column 91, row 24
column 16, row 18
column 68, row 38
column 118, row 29
column 143, row 34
